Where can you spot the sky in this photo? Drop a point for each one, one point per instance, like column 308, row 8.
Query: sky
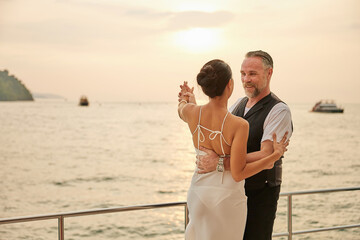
column 115, row 50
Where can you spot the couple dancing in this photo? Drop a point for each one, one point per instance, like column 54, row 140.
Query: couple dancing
column 233, row 147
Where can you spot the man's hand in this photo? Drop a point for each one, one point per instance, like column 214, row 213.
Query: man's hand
column 207, row 163
column 186, row 93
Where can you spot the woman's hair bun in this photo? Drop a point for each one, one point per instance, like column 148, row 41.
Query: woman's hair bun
column 213, row 77
column 206, row 75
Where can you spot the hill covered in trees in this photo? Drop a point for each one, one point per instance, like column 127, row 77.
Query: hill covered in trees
column 11, row 88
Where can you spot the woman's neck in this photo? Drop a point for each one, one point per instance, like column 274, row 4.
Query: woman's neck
column 218, row 102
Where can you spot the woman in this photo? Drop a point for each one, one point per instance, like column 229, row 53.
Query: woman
column 216, row 200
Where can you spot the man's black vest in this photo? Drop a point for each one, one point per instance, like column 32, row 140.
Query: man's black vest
column 256, row 117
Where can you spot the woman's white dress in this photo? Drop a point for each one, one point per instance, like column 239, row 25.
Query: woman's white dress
column 217, row 204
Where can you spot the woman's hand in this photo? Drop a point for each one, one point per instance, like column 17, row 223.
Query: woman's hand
column 191, row 97
column 281, row 146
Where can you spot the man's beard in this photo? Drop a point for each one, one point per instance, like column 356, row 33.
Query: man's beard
column 258, row 88
column 253, row 94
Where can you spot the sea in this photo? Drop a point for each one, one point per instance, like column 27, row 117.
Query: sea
column 56, row 156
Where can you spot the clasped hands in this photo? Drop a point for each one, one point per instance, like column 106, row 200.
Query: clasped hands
column 186, row 93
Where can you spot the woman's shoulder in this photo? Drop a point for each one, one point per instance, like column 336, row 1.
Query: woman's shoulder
column 189, row 107
column 189, row 111
column 238, row 123
column 238, row 120
column 235, row 126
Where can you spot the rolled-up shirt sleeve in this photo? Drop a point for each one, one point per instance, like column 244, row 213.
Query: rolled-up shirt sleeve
column 278, row 121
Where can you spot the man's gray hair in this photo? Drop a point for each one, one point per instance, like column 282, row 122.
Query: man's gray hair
column 266, row 58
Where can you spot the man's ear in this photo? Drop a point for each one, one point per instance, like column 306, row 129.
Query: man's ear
column 270, row 72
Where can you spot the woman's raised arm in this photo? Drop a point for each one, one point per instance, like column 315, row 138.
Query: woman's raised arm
column 186, row 95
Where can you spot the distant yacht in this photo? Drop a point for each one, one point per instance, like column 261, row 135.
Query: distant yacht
column 83, row 101
column 327, row 106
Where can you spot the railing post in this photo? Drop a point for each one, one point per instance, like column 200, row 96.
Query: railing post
column 289, row 217
column 61, row 227
column 186, row 215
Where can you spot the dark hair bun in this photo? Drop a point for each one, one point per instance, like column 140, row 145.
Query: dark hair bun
column 213, row 77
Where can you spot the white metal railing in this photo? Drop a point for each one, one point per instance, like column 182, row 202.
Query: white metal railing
column 289, row 195
column 62, row 216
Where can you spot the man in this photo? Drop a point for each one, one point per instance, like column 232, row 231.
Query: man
column 266, row 114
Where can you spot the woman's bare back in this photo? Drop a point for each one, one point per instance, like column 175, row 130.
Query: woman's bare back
column 215, row 128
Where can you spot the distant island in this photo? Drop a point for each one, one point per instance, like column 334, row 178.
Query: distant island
column 12, row 89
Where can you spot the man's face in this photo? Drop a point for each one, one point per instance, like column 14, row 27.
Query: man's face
column 254, row 76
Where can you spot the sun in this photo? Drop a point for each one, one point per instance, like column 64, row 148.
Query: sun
column 197, row 39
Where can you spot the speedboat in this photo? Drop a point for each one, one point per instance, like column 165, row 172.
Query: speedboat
column 327, row 107
column 84, row 101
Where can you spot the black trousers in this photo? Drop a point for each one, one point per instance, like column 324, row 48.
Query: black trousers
column 262, row 205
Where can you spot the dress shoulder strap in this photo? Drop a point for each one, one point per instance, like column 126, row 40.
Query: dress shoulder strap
column 222, row 130
column 222, row 126
column 198, row 125
column 199, row 116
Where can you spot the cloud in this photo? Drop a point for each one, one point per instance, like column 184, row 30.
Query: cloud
column 146, row 13
column 181, row 20
column 197, row 19
column 80, row 25
column 355, row 26
column 173, row 20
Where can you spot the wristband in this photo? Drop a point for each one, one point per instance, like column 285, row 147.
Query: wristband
column 182, row 102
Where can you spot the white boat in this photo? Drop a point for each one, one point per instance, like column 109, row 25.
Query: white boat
column 327, row 106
